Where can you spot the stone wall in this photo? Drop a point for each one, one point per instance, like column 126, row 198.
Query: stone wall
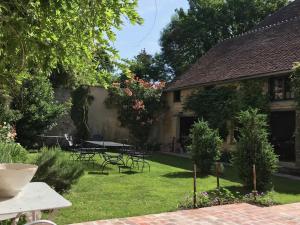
column 103, row 120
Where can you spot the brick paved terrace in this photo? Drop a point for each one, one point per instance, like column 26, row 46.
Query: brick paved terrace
column 235, row 214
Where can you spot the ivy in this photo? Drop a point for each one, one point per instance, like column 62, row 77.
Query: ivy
column 295, row 78
column 218, row 105
column 81, row 99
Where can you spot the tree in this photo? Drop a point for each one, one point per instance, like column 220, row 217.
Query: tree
column 205, row 146
column 192, row 33
column 150, row 68
column 38, row 108
column 138, row 103
column 41, row 34
column 253, row 148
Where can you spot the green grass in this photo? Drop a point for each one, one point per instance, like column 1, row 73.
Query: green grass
column 101, row 196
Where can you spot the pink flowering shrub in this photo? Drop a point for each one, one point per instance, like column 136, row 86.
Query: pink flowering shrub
column 7, row 133
column 138, row 103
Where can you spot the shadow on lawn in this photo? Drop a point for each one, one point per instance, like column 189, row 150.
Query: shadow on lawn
column 183, row 174
column 286, row 186
column 174, row 161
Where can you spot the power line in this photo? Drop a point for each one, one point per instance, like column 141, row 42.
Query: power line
column 152, row 27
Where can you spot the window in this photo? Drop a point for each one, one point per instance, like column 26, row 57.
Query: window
column 177, row 96
column 280, row 88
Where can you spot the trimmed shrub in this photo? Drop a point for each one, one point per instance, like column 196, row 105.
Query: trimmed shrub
column 57, row 170
column 253, row 148
column 12, row 153
column 205, row 146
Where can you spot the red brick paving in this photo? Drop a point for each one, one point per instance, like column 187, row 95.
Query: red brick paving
column 235, row 214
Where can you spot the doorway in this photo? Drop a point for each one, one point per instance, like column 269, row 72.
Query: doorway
column 185, row 126
column 282, row 125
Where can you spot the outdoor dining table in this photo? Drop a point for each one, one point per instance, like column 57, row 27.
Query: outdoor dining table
column 36, row 196
column 108, row 144
column 56, row 137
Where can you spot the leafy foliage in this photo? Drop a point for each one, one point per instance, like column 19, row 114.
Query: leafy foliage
column 7, row 115
column 261, row 199
column 295, row 80
column 38, row 107
column 150, row 68
column 252, row 95
column 41, row 34
column 12, row 153
column 220, row 196
column 55, row 169
column 205, row 146
column 193, row 32
column 138, row 103
column 7, row 133
column 81, row 99
column 216, row 105
column 253, row 148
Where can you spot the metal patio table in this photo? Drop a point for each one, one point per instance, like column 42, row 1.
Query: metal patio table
column 36, row 196
column 108, row 144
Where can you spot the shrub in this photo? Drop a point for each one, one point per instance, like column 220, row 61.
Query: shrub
column 38, row 107
column 57, row 170
column 202, row 200
column 12, row 153
column 262, row 199
column 205, row 146
column 253, row 148
column 220, row 196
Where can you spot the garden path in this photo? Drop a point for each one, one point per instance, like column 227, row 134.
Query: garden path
column 235, row 214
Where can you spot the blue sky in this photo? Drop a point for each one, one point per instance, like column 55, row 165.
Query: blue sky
column 156, row 14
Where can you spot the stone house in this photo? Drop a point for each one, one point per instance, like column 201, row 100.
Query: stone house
column 267, row 51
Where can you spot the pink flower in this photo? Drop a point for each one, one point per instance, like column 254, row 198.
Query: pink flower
column 138, row 104
column 128, row 91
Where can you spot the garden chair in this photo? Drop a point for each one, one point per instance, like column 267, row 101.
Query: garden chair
column 109, row 159
column 79, row 153
column 138, row 158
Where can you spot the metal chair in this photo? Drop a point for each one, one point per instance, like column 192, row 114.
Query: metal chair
column 138, row 158
column 112, row 160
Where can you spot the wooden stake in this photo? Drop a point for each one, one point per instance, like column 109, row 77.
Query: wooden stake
column 254, row 180
column 218, row 174
column 195, row 186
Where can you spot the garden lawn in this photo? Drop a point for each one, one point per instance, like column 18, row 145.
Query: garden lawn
column 101, row 196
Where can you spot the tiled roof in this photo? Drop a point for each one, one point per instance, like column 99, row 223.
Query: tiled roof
column 272, row 46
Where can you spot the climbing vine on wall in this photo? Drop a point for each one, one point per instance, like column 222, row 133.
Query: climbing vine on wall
column 217, row 105
column 81, row 99
column 295, row 78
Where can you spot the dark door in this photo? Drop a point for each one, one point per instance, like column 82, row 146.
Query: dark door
column 185, row 126
column 282, row 126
